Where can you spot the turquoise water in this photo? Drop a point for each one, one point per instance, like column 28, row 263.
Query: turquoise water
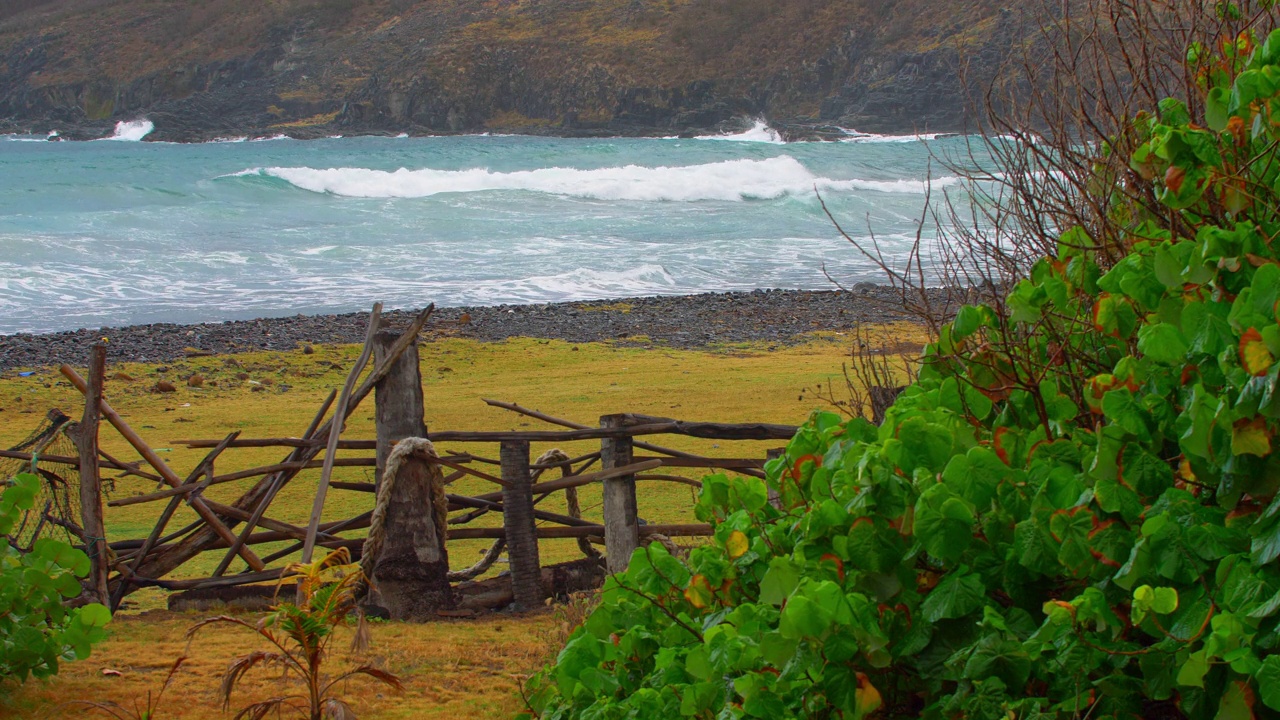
column 113, row 233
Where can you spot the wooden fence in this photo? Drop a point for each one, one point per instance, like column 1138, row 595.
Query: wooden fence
column 626, row 455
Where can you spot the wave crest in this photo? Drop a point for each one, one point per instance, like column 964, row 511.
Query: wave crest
column 731, row 180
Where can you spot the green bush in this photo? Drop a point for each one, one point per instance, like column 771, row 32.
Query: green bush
column 36, row 630
column 1073, row 513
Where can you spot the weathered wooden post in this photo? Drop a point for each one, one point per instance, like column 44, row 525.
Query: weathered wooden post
column 621, row 521
column 518, row 521
column 775, row 497
column 397, row 398
column 95, row 540
column 405, row 553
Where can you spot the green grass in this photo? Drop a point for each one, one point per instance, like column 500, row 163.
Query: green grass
column 446, row 663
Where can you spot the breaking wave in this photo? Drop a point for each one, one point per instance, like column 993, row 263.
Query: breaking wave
column 731, row 180
column 132, row 130
column 760, row 132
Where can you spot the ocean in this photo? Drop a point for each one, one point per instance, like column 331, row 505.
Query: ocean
column 121, row 232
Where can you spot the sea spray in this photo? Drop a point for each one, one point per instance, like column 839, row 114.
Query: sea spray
column 132, row 130
column 759, row 132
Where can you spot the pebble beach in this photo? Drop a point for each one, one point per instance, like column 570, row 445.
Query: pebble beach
column 688, row 321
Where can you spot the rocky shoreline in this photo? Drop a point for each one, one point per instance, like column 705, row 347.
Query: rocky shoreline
column 174, row 130
column 685, row 321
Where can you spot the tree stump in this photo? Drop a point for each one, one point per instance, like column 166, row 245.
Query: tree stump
column 405, row 555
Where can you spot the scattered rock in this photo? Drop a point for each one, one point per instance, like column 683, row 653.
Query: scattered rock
column 242, row 376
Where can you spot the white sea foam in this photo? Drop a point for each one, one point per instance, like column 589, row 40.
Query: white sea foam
column 318, row 250
column 132, row 130
column 730, row 180
column 760, row 132
column 225, row 140
column 861, row 137
column 273, row 137
column 581, row 284
column 402, row 136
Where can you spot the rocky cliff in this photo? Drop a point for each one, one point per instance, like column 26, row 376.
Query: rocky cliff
column 574, row 67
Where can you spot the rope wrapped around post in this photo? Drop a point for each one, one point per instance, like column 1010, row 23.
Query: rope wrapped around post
column 414, row 570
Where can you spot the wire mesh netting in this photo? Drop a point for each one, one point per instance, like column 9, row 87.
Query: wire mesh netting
column 56, row 512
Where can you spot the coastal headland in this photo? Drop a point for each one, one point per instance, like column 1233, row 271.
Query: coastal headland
column 312, row 68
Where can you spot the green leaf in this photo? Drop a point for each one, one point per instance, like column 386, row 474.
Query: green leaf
column 944, row 522
column 95, row 615
column 967, row 322
column 779, row 581
column 801, row 618
column 1163, row 343
column 1268, row 678
column 1122, row 408
column 956, row 595
column 1216, row 113
column 1193, row 670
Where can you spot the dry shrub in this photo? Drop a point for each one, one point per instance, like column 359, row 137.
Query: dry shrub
column 1050, row 152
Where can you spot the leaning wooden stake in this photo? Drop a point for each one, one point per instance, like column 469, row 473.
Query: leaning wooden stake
column 126, row 577
column 161, row 467
column 261, row 509
column 335, row 430
column 95, row 540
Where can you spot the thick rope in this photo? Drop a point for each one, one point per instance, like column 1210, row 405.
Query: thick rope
column 377, row 523
column 556, row 455
column 490, row 557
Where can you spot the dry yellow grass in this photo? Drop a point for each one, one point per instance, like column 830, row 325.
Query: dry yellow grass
column 455, row 668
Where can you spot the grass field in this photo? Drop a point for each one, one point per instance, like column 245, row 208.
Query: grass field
column 456, row 668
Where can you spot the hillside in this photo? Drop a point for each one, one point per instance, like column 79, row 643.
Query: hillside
column 312, row 67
